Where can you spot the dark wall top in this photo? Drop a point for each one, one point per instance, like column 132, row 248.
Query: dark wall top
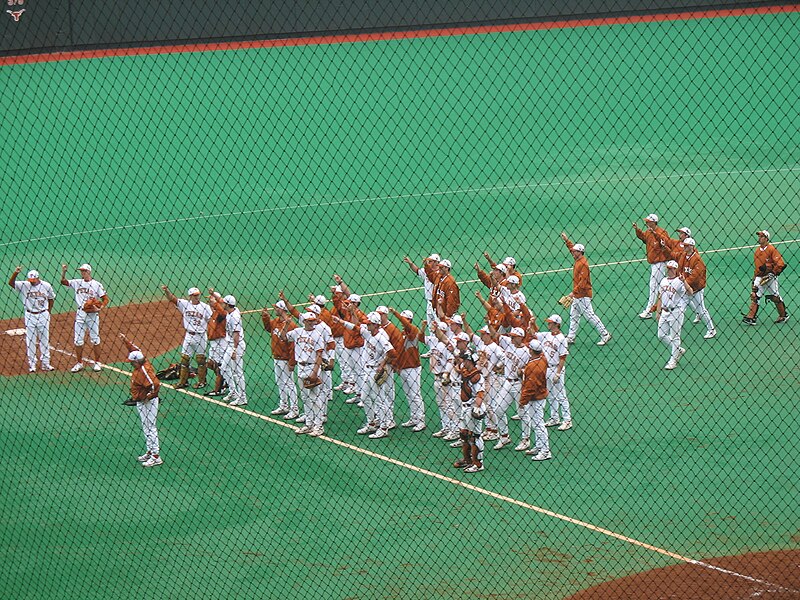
column 49, row 25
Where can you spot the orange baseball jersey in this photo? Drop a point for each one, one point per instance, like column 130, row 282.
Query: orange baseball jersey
column 216, row 324
column 337, row 329
column 144, row 383
column 693, row 270
column 674, row 246
column 352, row 337
column 396, row 339
column 281, row 349
column 509, row 273
column 409, row 356
column 534, row 380
column 768, row 260
column 446, row 295
column 432, row 272
column 510, row 320
column 581, row 278
column 495, row 317
column 657, row 250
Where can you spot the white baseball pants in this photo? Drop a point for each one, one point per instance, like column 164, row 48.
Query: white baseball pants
column 495, row 382
column 287, row 390
column 376, row 400
column 148, row 411
column 194, row 343
column 410, row 380
column 447, row 416
column 345, row 375
column 233, row 371
column 509, row 394
column 37, row 329
column 87, row 322
column 657, row 272
column 353, row 359
column 582, row 307
column 533, row 422
column 669, row 330
column 313, row 404
column 698, row 305
column 557, row 394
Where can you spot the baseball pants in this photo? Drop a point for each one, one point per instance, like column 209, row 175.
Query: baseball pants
column 495, row 382
column 446, row 414
column 557, row 393
column 233, row 371
column 345, row 374
column 669, row 331
column 454, row 401
column 37, row 329
column 287, row 390
column 533, row 422
column 87, row 322
column 353, row 364
column 509, row 394
column 148, row 411
column 194, row 343
column 410, row 380
column 657, row 272
column 376, row 400
column 327, row 390
column 698, row 305
column 313, row 405
column 582, row 307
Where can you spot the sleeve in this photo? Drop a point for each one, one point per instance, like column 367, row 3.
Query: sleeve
column 642, row 235
column 181, row 304
column 778, row 261
column 131, row 346
column 569, row 244
column 484, row 278
column 18, row 285
column 51, row 293
column 267, row 322
column 101, row 291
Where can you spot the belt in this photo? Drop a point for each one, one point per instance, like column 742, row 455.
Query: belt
column 195, row 332
column 509, row 379
column 665, row 309
column 35, row 313
column 305, row 364
column 371, row 366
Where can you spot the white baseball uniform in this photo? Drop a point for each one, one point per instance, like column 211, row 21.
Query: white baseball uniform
column 514, row 361
column 674, row 299
column 376, row 398
column 493, row 369
column 427, row 284
column 35, row 300
column 439, row 359
column 307, row 346
column 554, row 347
column 233, row 369
column 86, row 321
column 195, row 322
column 514, row 300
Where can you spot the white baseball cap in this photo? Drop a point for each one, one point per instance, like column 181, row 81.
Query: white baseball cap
column 321, row 300
column 457, row 319
column 554, row 319
column 374, row 318
column 502, row 268
column 672, row 264
column 463, row 337
column 485, row 330
column 193, row 292
column 136, row 355
column 535, row 345
column 442, row 326
column 517, row 331
column 652, row 217
column 382, row 310
column 33, row 274
column 435, row 257
column 354, row 298
column 510, row 261
column 229, row 300
column 407, row 314
column 313, row 308
column 579, row 247
column 763, row 232
column 280, row 304
column 513, row 280
column 308, row 316
column 85, row 267
column 445, row 263
column 337, row 289
column 685, row 230
column 689, row 242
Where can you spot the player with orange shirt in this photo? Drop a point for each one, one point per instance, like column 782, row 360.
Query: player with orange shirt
column 657, row 255
column 283, row 359
column 409, row 367
column 692, row 270
column 582, row 295
column 768, row 265
column 446, row 298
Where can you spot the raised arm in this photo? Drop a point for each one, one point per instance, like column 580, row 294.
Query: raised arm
column 340, row 282
column 411, row 264
column 13, row 280
column 64, row 280
column 170, row 296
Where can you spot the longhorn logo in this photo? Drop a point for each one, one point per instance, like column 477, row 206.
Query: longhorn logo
column 16, row 14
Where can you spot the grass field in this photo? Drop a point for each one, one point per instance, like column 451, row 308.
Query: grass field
column 261, row 170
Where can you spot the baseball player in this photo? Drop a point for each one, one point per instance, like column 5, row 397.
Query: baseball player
column 90, row 298
column 516, row 356
column 37, row 298
column 328, row 358
column 378, row 354
column 440, row 359
column 397, row 341
column 196, row 315
column 309, row 346
column 768, row 265
column 429, row 274
column 472, row 392
column 676, row 248
column 283, row 359
column 233, row 360
column 409, row 368
column 532, row 398
column 692, row 270
column 445, row 298
column 338, row 298
column 554, row 346
column 510, row 264
column 354, row 348
column 144, row 392
column 673, row 297
column 490, row 363
column 495, row 311
column 657, row 255
column 495, row 279
column 582, row 295
column 216, row 341
column 456, row 340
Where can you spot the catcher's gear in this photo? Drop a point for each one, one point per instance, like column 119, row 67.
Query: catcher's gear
column 311, row 382
column 92, row 305
column 478, row 412
column 382, row 376
column 565, row 301
column 130, row 402
column 173, row 371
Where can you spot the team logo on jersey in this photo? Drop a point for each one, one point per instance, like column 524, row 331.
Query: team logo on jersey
column 16, row 14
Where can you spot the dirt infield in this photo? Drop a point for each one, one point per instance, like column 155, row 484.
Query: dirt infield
column 778, row 572
column 155, row 326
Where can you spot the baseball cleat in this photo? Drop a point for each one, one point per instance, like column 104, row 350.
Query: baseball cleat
column 524, row 444
column 317, row 431
column 696, row 319
column 646, row 315
column 605, row 339
column 215, row 393
column 392, row 425
column 300, row 419
column 461, row 463
column 418, row 427
column 238, row 402
column 381, row 433
column 339, row 387
column 552, row 422
column 199, row 385
column 681, row 352
column 504, row 441
column 489, row 436
column 366, row 429
column 153, row 461
column 303, row 430
column 144, row 457
column 670, row 365
column 782, row 319
column 749, row 321
column 31, row 369
column 450, row 436
column 408, row 423
column 48, row 368
column 279, row 411
column 456, row 444
column 97, row 367
column 533, row 451
column 473, row 469
column 440, row 433
column 352, row 400
column 76, row 368
column 710, row 334
column 180, row 386
column 543, row 455
column 292, row 414
column 565, row 425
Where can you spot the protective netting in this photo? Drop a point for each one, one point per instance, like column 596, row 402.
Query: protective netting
column 445, row 169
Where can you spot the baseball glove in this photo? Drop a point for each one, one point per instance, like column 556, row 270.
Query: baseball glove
column 565, row 301
column 327, row 365
column 311, row 382
column 478, row 413
column 92, row 305
column 767, row 279
column 130, row 402
column 382, row 376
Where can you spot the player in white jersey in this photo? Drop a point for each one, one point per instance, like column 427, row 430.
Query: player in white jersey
column 232, row 366
column 673, row 296
column 90, row 298
column 37, row 299
column 490, row 363
column 378, row 353
column 430, row 268
column 516, row 356
column 439, row 360
column 556, row 350
column 328, row 359
column 196, row 315
column 309, row 348
column 511, row 295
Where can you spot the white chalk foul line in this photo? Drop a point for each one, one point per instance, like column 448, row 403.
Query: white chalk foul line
column 468, row 486
column 395, row 197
